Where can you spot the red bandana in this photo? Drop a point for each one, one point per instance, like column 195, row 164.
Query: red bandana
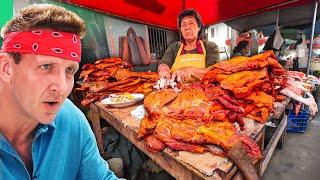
column 44, row 42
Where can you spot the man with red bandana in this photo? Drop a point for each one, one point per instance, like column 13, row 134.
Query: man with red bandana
column 42, row 134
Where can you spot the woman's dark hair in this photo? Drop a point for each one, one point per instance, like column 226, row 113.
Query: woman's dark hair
column 241, row 45
column 195, row 14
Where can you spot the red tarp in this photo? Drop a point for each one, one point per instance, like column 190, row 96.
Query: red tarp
column 164, row 13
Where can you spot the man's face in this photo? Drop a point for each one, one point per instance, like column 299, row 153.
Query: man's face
column 189, row 28
column 40, row 85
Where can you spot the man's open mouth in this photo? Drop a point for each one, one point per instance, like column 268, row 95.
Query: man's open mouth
column 51, row 103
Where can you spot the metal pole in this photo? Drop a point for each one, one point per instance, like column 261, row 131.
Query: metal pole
column 312, row 36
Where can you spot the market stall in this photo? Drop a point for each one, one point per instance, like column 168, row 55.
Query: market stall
column 248, row 105
column 229, row 107
column 208, row 126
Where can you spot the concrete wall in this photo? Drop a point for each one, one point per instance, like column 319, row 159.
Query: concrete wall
column 116, row 28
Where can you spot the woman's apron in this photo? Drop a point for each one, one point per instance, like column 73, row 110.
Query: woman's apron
column 193, row 60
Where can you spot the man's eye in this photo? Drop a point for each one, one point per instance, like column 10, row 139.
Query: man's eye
column 46, row 66
column 71, row 70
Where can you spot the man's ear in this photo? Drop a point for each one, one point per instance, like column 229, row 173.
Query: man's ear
column 6, row 67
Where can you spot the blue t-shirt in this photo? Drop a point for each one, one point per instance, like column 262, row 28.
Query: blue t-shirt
column 64, row 149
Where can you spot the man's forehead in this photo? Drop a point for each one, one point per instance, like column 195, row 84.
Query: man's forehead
column 38, row 58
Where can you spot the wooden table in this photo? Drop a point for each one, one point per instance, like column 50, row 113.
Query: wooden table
column 278, row 135
column 167, row 159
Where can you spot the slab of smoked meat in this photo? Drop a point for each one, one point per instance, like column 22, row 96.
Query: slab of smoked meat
column 218, row 94
column 147, row 126
column 124, row 73
column 171, row 133
column 191, row 102
column 259, row 114
column 154, row 145
column 260, row 99
column 153, row 103
column 189, row 135
column 201, row 105
column 237, row 64
column 242, row 150
column 242, row 83
column 225, row 135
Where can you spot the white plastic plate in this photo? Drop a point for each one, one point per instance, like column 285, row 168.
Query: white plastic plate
column 137, row 97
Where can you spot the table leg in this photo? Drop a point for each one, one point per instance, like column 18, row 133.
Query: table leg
column 267, row 153
column 95, row 118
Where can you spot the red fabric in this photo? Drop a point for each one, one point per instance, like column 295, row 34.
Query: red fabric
column 164, row 13
column 144, row 11
column 214, row 11
column 45, row 42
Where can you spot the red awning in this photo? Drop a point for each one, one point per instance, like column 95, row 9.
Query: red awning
column 163, row 13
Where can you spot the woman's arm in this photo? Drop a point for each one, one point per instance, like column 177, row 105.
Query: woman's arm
column 164, row 68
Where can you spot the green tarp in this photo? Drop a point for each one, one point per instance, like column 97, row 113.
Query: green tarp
column 5, row 13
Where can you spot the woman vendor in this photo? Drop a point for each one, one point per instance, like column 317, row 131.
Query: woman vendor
column 188, row 59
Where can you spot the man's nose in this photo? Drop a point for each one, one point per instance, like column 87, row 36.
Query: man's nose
column 59, row 82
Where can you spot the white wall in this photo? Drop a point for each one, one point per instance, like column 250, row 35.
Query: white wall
column 218, row 34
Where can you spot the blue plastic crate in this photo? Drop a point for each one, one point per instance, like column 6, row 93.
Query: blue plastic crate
column 297, row 123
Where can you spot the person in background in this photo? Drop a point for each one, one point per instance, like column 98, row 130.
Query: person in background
column 188, row 58
column 242, row 49
column 298, row 57
column 43, row 135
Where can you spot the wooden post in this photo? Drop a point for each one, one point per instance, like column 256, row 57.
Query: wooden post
column 95, row 119
column 267, row 153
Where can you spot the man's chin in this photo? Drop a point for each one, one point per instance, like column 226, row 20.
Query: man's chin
column 47, row 118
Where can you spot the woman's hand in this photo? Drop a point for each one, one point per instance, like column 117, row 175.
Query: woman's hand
column 182, row 74
column 164, row 71
column 187, row 74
